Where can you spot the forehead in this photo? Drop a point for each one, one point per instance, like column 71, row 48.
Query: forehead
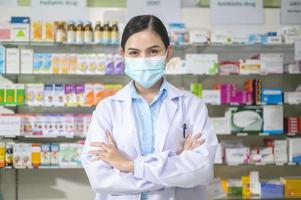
column 143, row 40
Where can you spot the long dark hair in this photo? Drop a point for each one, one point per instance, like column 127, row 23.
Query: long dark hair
column 141, row 23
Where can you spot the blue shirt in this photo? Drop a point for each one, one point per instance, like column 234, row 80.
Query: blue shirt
column 146, row 117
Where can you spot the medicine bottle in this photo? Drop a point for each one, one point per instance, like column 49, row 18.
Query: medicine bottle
column 71, row 32
column 98, row 33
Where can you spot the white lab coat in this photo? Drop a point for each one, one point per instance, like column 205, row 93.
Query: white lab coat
column 164, row 174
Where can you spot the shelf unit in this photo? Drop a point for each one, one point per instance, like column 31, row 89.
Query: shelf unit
column 288, row 82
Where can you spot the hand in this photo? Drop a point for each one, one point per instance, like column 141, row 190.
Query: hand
column 192, row 142
column 110, row 154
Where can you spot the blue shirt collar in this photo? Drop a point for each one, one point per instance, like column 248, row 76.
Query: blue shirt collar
column 163, row 90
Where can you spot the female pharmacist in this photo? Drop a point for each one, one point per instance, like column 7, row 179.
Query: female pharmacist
column 150, row 140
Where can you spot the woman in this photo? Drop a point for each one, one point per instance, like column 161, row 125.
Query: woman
column 144, row 142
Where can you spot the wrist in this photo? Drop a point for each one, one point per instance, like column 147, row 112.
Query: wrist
column 130, row 166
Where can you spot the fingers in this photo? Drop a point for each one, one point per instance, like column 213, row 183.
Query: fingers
column 197, row 143
column 99, row 144
column 192, row 142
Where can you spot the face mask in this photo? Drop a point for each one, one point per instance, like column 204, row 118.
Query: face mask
column 146, row 71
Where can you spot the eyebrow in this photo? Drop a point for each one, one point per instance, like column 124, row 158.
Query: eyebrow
column 152, row 47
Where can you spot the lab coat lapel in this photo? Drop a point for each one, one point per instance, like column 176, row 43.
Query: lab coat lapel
column 129, row 123
column 133, row 127
column 167, row 112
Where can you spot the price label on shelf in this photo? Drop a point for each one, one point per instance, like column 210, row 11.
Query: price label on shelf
column 242, row 134
column 298, row 50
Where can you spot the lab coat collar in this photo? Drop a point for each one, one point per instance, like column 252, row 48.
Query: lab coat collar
column 125, row 94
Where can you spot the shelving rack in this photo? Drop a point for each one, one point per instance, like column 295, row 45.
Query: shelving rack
column 288, row 82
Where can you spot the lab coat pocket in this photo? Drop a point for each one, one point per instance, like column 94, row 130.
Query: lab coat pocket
column 175, row 134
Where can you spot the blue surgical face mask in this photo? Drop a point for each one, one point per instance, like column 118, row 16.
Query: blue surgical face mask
column 147, row 71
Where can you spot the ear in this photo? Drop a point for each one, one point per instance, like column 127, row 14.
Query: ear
column 121, row 51
column 169, row 53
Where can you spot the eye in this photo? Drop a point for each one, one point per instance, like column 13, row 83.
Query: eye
column 133, row 53
column 153, row 52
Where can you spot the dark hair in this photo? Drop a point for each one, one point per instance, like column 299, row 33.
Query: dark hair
column 141, row 23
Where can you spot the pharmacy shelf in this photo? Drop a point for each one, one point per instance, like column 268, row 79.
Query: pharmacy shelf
column 268, row 171
column 209, row 45
column 42, row 139
column 25, row 109
column 298, row 165
column 53, row 44
column 258, row 135
column 51, row 110
column 42, row 167
column 224, row 136
column 255, row 198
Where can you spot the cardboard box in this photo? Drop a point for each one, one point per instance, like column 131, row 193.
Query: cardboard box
column 27, row 124
column 10, row 94
column 22, row 155
column 291, row 34
column 237, row 155
column 37, row 63
column 267, row 155
column 79, row 125
column 58, row 123
column 45, row 155
column 271, row 96
column 20, row 27
column 212, row 97
column 48, row 95
column 250, row 66
column 2, row 94
column 69, row 125
column 229, row 67
column 38, row 126
column 292, row 97
column 220, row 37
column 55, row 154
column 246, row 119
column 202, row 63
column 70, row 96
column 294, row 151
column 20, row 94
column 59, row 93
column 48, row 126
column 271, row 63
column 2, row 59
column 12, row 61
column 5, row 31
column 87, row 122
column 280, row 151
column 36, row 155
column 199, row 36
column 234, row 187
column 221, row 125
column 80, row 94
column 245, row 180
column 2, row 154
column 292, row 186
column 254, row 183
column 228, row 91
column 89, row 95
column 26, row 61
column 292, row 125
column 272, row 190
column 46, row 64
column 273, row 120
